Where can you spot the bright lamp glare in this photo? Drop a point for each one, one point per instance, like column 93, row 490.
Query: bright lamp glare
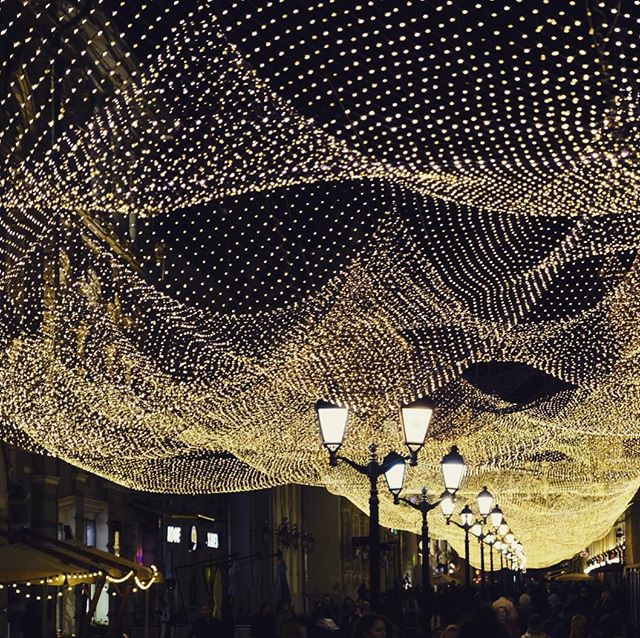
column 447, row 503
column 395, row 477
column 485, row 501
column 333, row 424
column 415, row 423
column 453, row 470
column 496, row 517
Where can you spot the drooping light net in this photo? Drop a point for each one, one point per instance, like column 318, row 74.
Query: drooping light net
column 215, row 215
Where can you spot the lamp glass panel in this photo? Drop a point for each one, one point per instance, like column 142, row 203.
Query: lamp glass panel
column 395, row 477
column 485, row 502
column 447, row 504
column 333, row 423
column 415, row 423
column 467, row 517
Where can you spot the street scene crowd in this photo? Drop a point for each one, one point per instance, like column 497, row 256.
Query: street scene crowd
column 537, row 609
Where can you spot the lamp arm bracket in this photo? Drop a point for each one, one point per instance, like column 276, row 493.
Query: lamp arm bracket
column 420, row 505
column 406, row 501
column 362, row 469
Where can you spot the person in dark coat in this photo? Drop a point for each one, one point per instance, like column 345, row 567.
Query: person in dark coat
column 228, row 618
column 206, row 626
column 263, row 624
column 483, row 624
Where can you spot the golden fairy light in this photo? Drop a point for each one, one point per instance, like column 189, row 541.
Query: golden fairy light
column 215, row 215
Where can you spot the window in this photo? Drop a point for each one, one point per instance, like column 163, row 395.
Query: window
column 90, row 532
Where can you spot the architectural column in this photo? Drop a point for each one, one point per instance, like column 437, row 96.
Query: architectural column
column 44, row 521
column 80, row 488
column 325, row 564
column 44, row 504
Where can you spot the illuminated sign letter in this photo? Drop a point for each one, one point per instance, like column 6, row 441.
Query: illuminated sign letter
column 173, row 534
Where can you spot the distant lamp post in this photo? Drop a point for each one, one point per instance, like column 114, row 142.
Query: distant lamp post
column 415, row 419
column 478, row 531
column 490, row 539
column 447, row 505
column 467, row 520
column 485, row 503
column 497, row 519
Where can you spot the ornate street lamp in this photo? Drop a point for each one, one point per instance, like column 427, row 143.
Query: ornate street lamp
column 447, row 505
column 415, row 419
column 490, row 539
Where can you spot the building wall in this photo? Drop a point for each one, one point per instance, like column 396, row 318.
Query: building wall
column 46, row 494
column 322, row 519
column 51, row 494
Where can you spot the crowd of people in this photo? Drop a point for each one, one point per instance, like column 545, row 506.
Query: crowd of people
column 537, row 610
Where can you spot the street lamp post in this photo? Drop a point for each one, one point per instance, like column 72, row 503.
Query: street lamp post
column 485, row 503
column 415, row 419
column 490, row 539
column 466, row 515
column 477, row 529
column 496, row 516
column 453, row 470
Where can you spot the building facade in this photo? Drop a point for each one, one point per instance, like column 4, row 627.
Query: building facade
column 288, row 544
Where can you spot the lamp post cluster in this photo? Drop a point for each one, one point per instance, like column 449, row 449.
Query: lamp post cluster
column 415, row 418
column 490, row 528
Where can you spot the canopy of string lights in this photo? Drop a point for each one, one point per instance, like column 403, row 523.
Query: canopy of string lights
column 214, row 215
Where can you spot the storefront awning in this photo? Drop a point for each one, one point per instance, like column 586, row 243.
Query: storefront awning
column 36, row 559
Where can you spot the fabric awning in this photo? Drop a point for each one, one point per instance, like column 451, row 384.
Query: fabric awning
column 38, row 560
column 573, row 577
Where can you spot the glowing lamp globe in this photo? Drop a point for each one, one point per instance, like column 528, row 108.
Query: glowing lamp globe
column 333, row 424
column 453, row 470
column 415, row 419
column 394, row 472
column 485, row 501
column 496, row 517
column 447, row 503
column 466, row 516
